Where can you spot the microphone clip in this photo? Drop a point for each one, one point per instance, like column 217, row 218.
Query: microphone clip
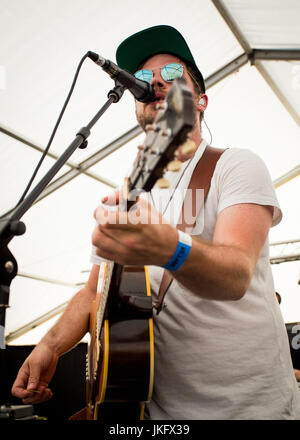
column 117, row 92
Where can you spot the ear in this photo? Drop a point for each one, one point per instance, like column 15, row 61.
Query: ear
column 202, row 103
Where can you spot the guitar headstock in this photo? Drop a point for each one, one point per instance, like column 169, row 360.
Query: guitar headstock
column 169, row 130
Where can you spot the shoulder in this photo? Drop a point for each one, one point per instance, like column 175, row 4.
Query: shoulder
column 241, row 176
column 242, row 164
column 239, row 156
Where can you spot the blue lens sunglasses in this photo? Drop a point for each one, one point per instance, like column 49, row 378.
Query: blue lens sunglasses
column 169, row 72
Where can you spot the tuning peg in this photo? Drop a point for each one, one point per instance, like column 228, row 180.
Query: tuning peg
column 162, row 106
column 151, row 127
column 188, row 147
column 163, row 183
column 166, row 132
column 174, row 165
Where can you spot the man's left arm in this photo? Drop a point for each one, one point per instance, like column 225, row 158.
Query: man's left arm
column 222, row 269
column 217, row 270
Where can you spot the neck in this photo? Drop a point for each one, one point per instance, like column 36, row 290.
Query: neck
column 196, row 137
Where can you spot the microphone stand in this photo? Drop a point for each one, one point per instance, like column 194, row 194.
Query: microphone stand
column 11, row 225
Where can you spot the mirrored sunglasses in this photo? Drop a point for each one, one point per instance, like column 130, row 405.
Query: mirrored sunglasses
column 169, row 72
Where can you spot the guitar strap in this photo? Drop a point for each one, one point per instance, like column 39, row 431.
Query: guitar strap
column 201, row 179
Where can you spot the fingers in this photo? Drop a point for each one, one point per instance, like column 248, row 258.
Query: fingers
column 112, row 219
column 41, row 394
column 34, row 378
column 31, row 384
column 30, row 389
column 107, row 244
column 111, row 199
column 32, row 392
column 140, row 150
column 127, row 237
column 118, row 198
column 20, row 384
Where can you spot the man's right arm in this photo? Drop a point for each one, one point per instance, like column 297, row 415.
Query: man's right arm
column 73, row 324
column 38, row 369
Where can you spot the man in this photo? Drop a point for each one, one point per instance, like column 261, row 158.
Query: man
column 221, row 349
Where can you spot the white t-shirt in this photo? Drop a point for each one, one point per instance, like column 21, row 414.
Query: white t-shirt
column 221, row 359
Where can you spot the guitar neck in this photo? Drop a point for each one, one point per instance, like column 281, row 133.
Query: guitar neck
column 114, row 289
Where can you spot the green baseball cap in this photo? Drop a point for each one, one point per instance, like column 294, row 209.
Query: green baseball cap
column 142, row 45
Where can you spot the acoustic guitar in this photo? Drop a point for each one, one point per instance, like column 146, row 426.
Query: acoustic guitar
column 120, row 357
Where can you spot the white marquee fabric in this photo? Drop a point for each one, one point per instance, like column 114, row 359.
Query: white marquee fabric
column 42, row 42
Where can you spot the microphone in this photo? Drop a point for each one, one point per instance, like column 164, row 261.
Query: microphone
column 141, row 90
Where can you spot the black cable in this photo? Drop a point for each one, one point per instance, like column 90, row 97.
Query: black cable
column 53, row 132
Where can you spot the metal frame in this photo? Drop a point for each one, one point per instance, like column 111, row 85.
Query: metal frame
column 35, row 323
column 46, row 316
column 275, row 55
column 48, row 280
column 233, row 26
column 256, row 55
column 21, row 138
column 226, row 70
column 287, row 177
column 279, row 243
column 285, row 258
column 278, row 92
column 90, row 161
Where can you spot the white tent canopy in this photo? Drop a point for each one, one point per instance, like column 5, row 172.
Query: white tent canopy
column 249, row 53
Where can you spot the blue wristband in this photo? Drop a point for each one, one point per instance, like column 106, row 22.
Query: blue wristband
column 180, row 255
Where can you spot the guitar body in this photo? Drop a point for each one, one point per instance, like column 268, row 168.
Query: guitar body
column 120, row 359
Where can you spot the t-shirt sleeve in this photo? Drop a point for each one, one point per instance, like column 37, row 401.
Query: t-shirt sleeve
column 242, row 177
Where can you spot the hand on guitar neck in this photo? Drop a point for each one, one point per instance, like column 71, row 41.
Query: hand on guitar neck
column 140, row 236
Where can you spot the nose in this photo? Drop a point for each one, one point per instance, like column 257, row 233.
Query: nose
column 157, row 80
